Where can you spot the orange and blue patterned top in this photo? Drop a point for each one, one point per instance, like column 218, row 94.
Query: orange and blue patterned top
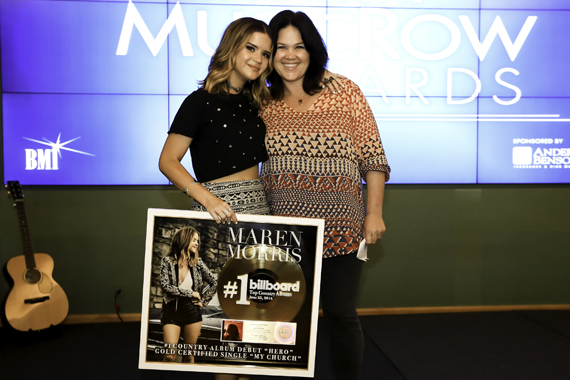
column 317, row 160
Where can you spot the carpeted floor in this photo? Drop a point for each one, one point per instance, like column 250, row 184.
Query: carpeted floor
column 523, row 345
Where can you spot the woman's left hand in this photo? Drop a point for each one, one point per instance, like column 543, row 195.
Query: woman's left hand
column 196, row 299
column 374, row 228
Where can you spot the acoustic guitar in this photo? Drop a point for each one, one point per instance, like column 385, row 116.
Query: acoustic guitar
column 36, row 301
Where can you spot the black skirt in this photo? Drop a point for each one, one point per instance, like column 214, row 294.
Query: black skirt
column 180, row 312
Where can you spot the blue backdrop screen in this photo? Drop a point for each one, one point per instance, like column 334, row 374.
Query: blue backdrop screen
column 470, row 93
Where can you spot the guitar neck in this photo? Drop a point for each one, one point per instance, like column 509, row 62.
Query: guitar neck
column 25, row 234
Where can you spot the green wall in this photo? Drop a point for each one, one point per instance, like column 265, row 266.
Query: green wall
column 445, row 245
column 458, row 246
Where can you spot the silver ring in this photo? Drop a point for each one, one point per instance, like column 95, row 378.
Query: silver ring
column 219, row 217
column 226, row 212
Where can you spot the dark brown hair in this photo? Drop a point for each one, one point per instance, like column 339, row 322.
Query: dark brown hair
column 314, row 45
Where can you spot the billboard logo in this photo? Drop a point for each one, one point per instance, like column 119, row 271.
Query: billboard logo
column 522, row 155
column 48, row 159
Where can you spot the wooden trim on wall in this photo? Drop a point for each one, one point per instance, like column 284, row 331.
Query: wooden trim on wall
column 457, row 309
column 101, row 318
column 136, row 317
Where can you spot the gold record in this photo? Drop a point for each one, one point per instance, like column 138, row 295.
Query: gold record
column 247, row 285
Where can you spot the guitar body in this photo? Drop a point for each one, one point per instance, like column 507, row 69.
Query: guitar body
column 36, row 301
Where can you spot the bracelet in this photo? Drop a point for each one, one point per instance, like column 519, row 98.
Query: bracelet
column 194, row 182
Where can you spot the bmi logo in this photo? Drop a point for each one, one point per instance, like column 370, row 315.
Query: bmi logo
column 48, row 159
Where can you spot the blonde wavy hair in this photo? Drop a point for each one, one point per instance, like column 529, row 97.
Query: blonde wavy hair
column 180, row 246
column 223, row 61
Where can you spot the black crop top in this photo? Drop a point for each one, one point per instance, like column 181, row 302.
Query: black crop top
column 228, row 135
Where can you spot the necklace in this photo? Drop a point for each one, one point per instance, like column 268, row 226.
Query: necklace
column 300, row 100
column 236, row 89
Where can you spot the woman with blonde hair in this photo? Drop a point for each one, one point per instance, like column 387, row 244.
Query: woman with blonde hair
column 188, row 285
column 220, row 124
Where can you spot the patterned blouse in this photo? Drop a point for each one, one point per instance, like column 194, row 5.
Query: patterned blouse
column 317, row 160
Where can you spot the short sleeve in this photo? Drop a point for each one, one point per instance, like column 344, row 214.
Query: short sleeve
column 369, row 148
column 189, row 116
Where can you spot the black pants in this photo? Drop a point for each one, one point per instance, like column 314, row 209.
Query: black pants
column 339, row 288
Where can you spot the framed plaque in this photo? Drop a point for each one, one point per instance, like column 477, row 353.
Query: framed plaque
column 248, row 304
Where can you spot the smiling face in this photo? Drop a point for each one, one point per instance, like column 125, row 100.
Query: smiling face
column 195, row 243
column 251, row 60
column 291, row 60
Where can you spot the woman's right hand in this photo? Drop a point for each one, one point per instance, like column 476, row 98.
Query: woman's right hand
column 221, row 211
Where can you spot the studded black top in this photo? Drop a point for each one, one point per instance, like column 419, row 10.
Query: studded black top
column 228, row 135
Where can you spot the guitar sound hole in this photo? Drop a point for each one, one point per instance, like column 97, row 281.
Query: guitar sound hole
column 32, row 276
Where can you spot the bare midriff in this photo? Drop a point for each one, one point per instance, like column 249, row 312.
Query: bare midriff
column 247, row 174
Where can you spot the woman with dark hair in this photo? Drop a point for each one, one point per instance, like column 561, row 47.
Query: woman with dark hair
column 187, row 285
column 232, row 333
column 314, row 67
column 220, row 124
column 333, row 141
